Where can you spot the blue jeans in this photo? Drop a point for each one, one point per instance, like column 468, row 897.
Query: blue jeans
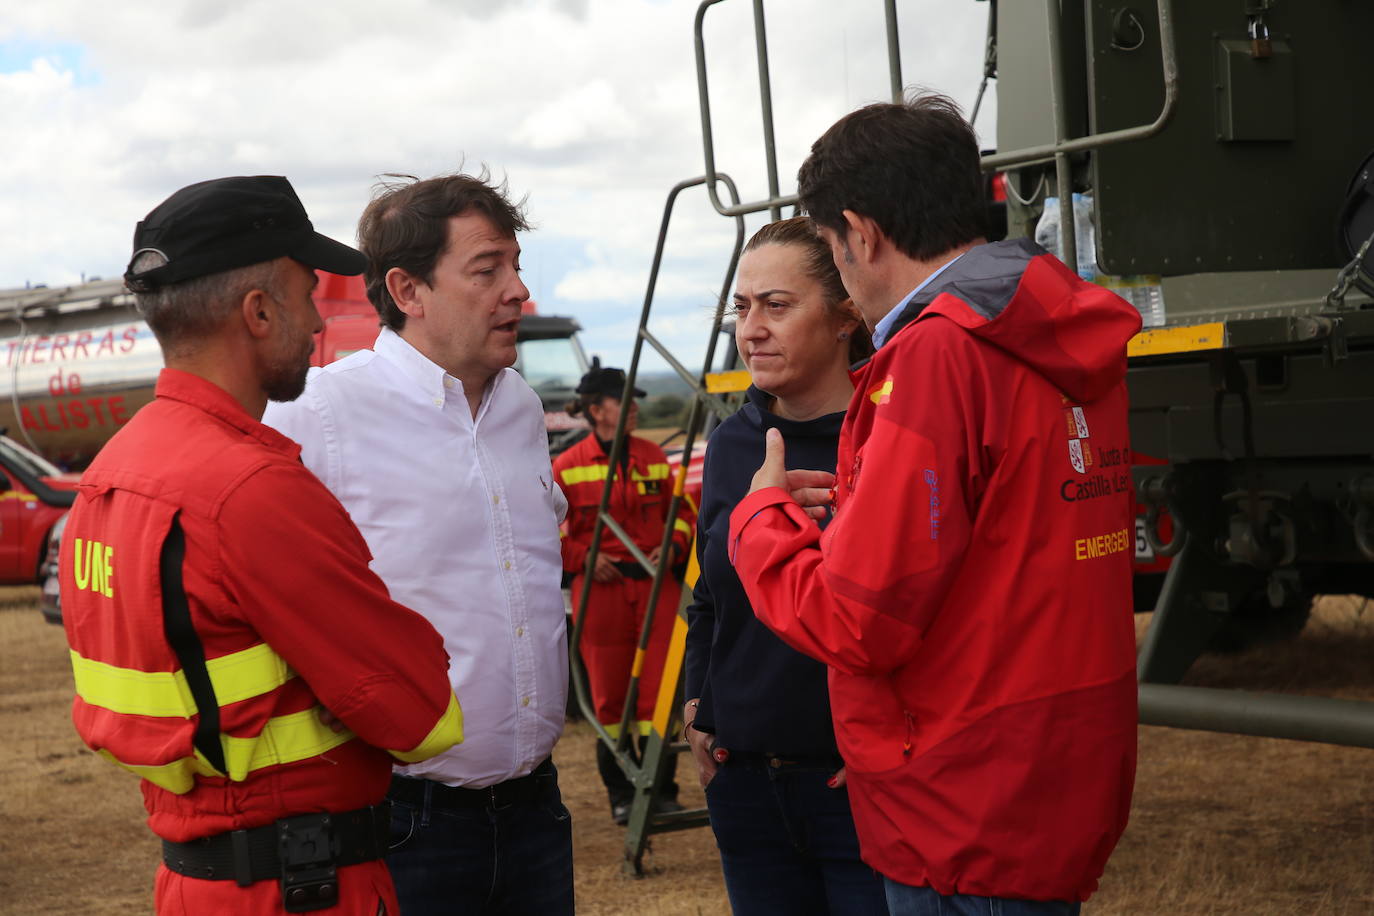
column 514, row 860
column 905, row 900
column 787, row 842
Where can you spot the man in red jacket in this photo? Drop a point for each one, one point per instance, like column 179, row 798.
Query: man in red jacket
column 972, row 595
column 229, row 643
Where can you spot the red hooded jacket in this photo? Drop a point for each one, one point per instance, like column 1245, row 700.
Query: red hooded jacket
column 973, row 593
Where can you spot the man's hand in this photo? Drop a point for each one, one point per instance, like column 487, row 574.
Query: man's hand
column 672, row 552
column 699, row 742
column 605, row 570
column 331, row 721
column 773, row 471
column 812, row 490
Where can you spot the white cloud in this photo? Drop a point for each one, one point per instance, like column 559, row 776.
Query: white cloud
column 588, row 106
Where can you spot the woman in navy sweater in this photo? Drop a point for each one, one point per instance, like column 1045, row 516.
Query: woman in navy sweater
column 758, row 720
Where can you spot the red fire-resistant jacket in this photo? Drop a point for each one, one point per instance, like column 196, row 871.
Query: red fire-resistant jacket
column 639, row 501
column 288, row 614
column 973, row 593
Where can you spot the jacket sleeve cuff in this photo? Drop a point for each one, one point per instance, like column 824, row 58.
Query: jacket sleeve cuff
column 447, row 732
column 749, row 508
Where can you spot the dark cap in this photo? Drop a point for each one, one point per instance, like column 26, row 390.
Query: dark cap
column 604, row 381
column 232, row 222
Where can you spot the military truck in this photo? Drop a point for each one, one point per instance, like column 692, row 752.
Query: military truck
column 1211, row 162
column 1220, row 151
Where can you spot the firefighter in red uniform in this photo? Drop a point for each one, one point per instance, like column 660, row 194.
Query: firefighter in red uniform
column 228, row 641
column 620, row 585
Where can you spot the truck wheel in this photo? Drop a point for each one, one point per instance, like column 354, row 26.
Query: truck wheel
column 1257, row 623
column 1145, row 589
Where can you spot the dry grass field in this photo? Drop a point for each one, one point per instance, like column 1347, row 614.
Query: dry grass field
column 1221, row 824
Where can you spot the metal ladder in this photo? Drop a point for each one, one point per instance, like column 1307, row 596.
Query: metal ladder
column 646, row 772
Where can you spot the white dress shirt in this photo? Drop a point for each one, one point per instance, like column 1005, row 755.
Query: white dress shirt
column 461, row 516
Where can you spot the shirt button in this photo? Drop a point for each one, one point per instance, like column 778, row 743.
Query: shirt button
column 525, row 701
column 496, row 500
column 448, row 383
column 508, row 564
column 438, row 402
column 519, row 631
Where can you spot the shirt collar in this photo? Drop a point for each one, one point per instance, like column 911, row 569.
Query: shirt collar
column 883, row 327
column 176, row 385
column 423, row 372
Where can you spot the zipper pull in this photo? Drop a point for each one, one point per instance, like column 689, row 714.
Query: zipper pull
column 910, row 726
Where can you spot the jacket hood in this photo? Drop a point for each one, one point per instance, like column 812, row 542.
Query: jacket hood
column 1023, row 300
column 757, row 413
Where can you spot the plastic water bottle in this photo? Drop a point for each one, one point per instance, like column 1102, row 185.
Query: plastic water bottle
column 1047, row 229
column 1084, row 237
column 1144, row 291
column 1047, row 233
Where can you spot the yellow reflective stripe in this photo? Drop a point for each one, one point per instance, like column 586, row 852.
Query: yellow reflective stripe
column 655, row 472
column 682, row 526
column 585, row 473
column 1185, row 339
column 672, row 670
column 249, row 673
column 177, row 777
column 637, row 666
column 284, row 739
column 639, row 727
column 693, row 567
column 22, row 497
column 726, row 382
column 129, row 691
column 447, row 732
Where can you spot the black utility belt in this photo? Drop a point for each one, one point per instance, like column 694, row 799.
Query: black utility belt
column 522, row 789
column 632, row 569
column 776, row 761
column 303, row 852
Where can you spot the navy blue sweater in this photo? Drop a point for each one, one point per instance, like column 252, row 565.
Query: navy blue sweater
column 757, row 693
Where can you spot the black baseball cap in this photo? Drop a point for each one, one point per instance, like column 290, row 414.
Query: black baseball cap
column 604, row 381
column 226, row 223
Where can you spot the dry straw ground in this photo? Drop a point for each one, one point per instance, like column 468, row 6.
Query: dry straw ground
column 1221, row 824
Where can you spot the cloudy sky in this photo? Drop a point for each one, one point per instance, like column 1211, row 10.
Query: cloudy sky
column 588, row 107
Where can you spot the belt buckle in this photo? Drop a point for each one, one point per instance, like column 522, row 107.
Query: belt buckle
column 309, row 878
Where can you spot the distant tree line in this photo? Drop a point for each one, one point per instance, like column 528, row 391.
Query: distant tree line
column 662, row 410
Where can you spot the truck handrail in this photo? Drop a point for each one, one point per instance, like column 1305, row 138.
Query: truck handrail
column 1168, row 53
column 774, row 202
column 1061, row 148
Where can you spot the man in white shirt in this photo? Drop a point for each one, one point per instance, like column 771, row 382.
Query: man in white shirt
column 437, row 449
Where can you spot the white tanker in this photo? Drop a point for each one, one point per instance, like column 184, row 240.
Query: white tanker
column 77, row 362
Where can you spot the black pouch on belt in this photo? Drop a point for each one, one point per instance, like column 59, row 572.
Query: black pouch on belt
column 309, row 878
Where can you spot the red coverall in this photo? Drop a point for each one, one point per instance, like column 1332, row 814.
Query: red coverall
column 639, row 504
column 972, row 594
column 291, row 621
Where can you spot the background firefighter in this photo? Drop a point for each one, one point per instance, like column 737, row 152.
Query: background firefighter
column 620, row 588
